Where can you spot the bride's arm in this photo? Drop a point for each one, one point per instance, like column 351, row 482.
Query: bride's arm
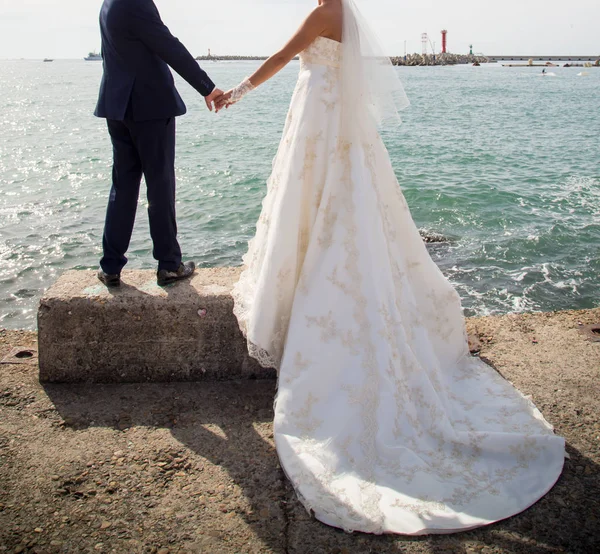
column 314, row 25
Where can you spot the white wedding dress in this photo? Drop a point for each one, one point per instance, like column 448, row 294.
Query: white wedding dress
column 384, row 423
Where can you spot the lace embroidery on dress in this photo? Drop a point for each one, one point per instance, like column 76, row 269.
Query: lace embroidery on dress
column 383, row 421
column 323, row 51
column 242, row 313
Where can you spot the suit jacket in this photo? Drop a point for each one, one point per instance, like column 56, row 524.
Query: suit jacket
column 137, row 49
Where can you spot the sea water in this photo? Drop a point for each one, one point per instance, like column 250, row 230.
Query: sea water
column 502, row 162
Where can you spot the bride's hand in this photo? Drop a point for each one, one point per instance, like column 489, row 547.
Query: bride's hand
column 223, row 101
column 235, row 94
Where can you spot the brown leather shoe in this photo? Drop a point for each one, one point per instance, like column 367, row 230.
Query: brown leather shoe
column 185, row 271
column 110, row 280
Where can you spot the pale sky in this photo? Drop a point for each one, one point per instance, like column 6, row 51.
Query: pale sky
column 69, row 28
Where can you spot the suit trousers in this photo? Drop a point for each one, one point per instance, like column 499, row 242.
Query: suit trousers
column 141, row 148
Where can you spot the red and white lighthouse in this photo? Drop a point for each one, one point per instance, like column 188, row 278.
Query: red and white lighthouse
column 444, row 33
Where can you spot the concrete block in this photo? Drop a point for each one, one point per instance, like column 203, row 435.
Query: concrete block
column 141, row 332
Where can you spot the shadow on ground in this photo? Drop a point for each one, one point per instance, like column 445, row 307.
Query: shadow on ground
column 225, row 428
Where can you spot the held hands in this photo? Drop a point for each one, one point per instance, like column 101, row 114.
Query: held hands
column 214, row 95
column 218, row 99
column 224, row 99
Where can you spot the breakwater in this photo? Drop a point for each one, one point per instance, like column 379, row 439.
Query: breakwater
column 230, row 58
column 410, row 60
column 413, row 60
column 565, row 58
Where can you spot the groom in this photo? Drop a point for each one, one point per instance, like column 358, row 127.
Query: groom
column 139, row 100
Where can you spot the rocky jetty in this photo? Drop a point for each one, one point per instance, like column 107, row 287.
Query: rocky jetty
column 230, row 58
column 411, row 59
column 438, row 59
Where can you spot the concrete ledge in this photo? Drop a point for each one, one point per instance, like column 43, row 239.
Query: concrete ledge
column 142, row 332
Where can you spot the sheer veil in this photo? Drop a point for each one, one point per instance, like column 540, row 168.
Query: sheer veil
column 372, row 93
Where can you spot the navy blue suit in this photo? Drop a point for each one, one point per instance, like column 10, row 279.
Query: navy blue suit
column 139, row 100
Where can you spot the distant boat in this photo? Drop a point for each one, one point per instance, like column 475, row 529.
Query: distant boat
column 48, row 60
column 93, row 57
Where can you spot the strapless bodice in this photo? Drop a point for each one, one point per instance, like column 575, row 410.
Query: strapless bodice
column 323, row 51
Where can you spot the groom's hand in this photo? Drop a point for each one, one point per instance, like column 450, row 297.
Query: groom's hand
column 216, row 93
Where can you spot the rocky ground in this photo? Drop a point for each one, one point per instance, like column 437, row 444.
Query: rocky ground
column 174, row 468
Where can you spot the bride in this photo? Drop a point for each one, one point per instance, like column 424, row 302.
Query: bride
column 384, row 423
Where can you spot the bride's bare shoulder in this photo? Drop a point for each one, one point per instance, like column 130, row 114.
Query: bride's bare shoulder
column 330, row 17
